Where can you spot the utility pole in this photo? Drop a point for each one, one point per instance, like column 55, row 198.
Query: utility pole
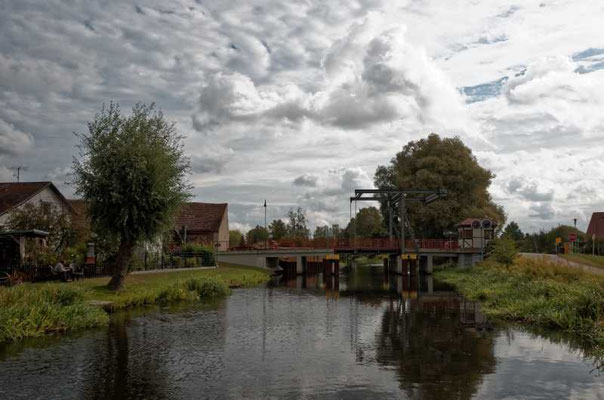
column 389, row 220
column 265, row 230
column 402, row 209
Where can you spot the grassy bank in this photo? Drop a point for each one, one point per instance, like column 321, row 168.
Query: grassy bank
column 532, row 291
column 37, row 309
column 587, row 259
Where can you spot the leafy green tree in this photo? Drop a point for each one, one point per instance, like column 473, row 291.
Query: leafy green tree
column 337, row 231
column 278, row 229
column 369, row 223
column 257, row 235
column 132, row 172
column 322, row 232
column 512, row 230
column 235, row 237
column 434, row 163
column 51, row 220
column 297, row 226
column 504, row 250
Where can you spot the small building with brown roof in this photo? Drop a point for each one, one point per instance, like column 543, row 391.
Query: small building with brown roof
column 475, row 233
column 596, row 226
column 203, row 223
column 14, row 195
column 200, row 223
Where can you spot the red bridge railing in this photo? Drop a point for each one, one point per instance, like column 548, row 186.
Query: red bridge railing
column 351, row 244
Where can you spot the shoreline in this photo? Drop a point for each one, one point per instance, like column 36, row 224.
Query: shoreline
column 37, row 309
column 536, row 293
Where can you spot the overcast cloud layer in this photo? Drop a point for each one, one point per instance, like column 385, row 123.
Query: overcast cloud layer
column 298, row 103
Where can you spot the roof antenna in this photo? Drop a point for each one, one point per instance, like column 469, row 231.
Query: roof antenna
column 17, row 174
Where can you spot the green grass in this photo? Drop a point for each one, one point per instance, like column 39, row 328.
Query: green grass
column 143, row 289
column 40, row 308
column 547, row 295
column 587, row 259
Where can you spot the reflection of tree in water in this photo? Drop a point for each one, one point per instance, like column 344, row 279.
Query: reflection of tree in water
column 117, row 374
column 435, row 354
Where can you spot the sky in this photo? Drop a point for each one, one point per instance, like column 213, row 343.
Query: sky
column 299, row 102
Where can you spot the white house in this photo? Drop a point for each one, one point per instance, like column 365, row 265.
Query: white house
column 14, row 195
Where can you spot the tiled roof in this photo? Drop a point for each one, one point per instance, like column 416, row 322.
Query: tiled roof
column 198, row 217
column 201, row 217
column 596, row 225
column 468, row 221
column 13, row 194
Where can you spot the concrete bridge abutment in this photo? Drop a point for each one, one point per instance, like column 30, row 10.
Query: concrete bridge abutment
column 300, row 265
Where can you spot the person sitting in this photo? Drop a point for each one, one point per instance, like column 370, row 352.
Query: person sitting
column 64, row 272
column 76, row 273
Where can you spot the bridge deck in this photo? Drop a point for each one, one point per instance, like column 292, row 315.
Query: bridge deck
column 358, row 245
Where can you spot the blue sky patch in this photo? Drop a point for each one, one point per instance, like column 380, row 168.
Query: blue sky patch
column 484, row 90
column 585, row 54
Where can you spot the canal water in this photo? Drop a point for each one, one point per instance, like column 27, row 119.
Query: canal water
column 362, row 336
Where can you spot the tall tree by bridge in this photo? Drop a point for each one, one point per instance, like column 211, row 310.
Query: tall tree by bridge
column 257, row 235
column 434, row 163
column 369, row 223
column 512, row 230
column 277, row 229
column 297, row 226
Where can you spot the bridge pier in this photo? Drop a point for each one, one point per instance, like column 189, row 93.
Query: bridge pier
column 426, row 263
column 392, row 263
column 300, row 264
column 465, row 260
column 400, row 265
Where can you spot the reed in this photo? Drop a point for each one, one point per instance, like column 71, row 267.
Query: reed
column 531, row 291
column 33, row 310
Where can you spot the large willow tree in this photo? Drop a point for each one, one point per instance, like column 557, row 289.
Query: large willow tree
column 434, row 163
column 132, row 172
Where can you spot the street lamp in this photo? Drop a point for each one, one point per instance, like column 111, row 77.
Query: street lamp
column 265, row 230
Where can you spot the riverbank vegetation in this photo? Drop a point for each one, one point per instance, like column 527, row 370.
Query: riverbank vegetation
column 37, row 309
column 547, row 295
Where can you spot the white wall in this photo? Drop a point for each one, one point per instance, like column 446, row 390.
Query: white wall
column 45, row 195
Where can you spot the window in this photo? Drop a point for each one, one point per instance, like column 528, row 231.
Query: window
column 46, row 206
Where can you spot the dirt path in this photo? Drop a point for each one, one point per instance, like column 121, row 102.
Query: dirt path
column 559, row 260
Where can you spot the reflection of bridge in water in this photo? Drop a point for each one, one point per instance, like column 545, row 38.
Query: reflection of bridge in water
column 408, row 293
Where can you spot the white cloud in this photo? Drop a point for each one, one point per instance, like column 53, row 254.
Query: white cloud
column 268, row 93
column 13, row 140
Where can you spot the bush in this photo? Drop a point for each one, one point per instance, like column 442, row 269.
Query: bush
column 504, row 251
column 194, row 289
column 205, row 253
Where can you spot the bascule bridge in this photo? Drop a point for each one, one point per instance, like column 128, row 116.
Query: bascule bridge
column 406, row 253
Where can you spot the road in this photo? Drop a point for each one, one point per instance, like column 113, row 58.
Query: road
column 559, row 260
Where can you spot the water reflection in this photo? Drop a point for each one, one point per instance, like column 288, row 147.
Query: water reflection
column 361, row 335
